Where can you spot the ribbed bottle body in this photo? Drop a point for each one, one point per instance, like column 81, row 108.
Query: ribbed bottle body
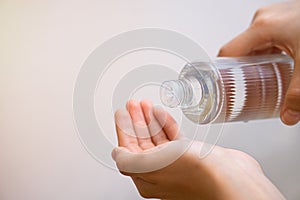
column 254, row 89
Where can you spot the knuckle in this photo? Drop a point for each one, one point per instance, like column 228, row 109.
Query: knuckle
column 264, row 21
column 223, row 51
column 260, row 11
column 263, row 18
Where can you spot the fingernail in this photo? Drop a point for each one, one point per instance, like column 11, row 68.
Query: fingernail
column 291, row 116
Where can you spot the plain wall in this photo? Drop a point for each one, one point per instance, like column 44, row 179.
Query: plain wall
column 42, row 47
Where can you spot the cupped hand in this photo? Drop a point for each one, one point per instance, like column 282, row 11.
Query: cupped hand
column 223, row 174
column 274, row 29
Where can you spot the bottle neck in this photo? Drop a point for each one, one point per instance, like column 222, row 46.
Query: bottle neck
column 198, row 92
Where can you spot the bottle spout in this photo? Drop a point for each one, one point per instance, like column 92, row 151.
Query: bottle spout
column 172, row 93
column 182, row 93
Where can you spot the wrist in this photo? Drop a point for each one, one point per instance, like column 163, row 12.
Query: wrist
column 244, row 179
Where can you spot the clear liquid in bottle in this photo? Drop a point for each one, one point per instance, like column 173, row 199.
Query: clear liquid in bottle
column 230, row 89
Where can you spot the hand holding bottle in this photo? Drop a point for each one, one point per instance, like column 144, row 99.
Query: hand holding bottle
column 274, row 29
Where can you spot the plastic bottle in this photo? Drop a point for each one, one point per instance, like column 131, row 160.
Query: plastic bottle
column 230, row 89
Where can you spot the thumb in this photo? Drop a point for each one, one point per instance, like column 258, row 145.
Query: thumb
column 149, row 160
column 290, row 111
column 250, row 40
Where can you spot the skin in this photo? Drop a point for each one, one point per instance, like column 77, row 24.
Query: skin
column 274, row 29
column 223, row 174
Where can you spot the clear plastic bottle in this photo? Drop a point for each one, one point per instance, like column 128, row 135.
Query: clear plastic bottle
column 230, row 89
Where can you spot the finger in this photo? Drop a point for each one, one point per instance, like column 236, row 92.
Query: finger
column 156, row 131
column 290, row 114
column 125, row 131
column 253, row 39
column 169, row 125
column 139, row 124
column 272, row 50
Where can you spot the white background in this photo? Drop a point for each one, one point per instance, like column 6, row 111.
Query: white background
column 42, row 47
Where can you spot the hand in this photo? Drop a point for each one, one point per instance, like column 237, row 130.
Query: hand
column 274, row 29
column 223, row 174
